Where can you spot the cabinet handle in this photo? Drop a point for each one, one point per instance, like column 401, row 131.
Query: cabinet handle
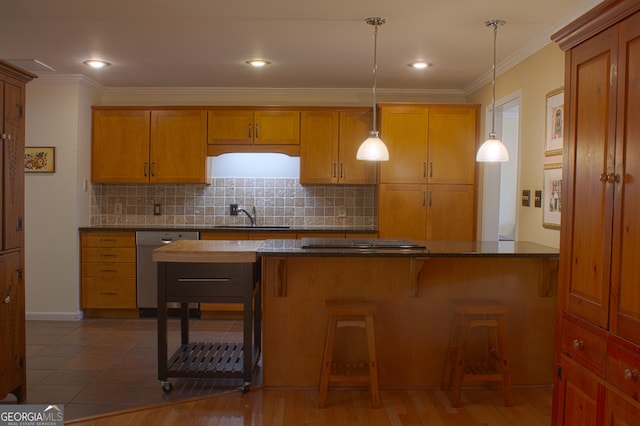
column 145, row 169
column 6, row 136
column 603, row 177
column 424, row 198
column 613, row 178
column 630, row 374
column 341, row 171
column 578, row 344
column 109, row 270
column 249, row 130
column 109, row 293
column 108, row 255
column 424, row 169
column 430, row 198
column 257, row 127
column 430, row 169
column 107, row 240
column 333, row 167
column 153, row 169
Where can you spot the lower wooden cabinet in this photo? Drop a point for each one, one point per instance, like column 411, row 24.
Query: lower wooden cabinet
column 108, row 270
column 427, row 212
column 580, row 395
column 12, row 323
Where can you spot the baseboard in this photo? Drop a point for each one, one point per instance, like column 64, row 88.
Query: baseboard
column 54, row 316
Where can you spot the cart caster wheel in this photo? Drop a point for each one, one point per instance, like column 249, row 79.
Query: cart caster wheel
column 245, row 387
column 167, row 387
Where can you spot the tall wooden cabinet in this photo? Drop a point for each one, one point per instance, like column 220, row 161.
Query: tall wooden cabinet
column 133, row 145
column 427, row 189
column 329, row 141
column 598, row 350
column 12, row 276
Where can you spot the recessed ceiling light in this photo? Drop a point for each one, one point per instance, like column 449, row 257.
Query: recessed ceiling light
column 96, row 63
column 258, row 63
column 420, row 65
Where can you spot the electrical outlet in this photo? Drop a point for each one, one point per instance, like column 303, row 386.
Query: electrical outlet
column 117, row 208
column 156, row 209
column 342, row 211
column 233, row 209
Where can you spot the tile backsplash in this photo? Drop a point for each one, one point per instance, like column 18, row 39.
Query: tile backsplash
column 278, row 201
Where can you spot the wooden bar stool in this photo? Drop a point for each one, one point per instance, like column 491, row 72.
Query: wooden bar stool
column 458, row 369
column 349, row 314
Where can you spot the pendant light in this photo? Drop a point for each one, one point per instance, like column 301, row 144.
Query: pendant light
column 493, row 150
column 373, row 149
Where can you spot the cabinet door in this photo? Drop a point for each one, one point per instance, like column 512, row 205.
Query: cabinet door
column 619, row 412
column 625, row 307
column 120, row 146
column 590, row 155
column 404, row 129
column 319, row 133
column 178, row 148
column 230, row 127
column 277, row 127
column 354, row 129
column 13, row 165
column 12, row 343
column 580, row 396
column 450, row 212
column 452, row 145
column 403, row 212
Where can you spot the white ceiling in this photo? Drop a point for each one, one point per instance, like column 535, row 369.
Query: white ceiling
column 319, row 44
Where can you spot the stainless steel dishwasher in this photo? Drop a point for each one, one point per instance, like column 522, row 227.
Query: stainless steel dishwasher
column 147, row 269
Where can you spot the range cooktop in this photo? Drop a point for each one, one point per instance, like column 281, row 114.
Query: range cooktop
column 360, row 243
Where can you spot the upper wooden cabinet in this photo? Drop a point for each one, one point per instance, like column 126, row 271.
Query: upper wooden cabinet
column 253, row 130
column 329, row 140
column 600, row 228
column 429, row 143
column 141, row 145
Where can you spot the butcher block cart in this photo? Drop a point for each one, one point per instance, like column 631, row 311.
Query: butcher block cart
column 192, row 271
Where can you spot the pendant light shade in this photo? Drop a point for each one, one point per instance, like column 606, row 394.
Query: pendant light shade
column 373, row 149
column 493, row 150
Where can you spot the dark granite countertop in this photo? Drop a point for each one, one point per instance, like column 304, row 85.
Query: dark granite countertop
column 433, row 249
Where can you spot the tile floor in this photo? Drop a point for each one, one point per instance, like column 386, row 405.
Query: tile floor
column 95, row 366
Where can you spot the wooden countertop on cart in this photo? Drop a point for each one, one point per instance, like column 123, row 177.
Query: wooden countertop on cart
column 208, row 251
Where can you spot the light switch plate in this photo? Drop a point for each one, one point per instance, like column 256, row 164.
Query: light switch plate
column 538, row 198
column 526, row 197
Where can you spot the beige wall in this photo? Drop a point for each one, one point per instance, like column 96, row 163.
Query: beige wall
column 534, row 77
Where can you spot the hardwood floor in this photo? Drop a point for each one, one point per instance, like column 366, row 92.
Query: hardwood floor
column 104, row 372
column 345, row 407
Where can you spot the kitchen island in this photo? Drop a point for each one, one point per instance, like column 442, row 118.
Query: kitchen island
column 413, row 289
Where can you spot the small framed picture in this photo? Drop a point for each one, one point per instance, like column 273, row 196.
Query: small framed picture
column 554, row 122
column 39, row 159
column 552, row 195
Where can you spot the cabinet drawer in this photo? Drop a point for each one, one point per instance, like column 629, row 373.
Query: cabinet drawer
column 116, row 293
column 623, row 369
column 109, row 270
column 108, row 239
column 584, row 347
column 220, row 282
column 108, row 255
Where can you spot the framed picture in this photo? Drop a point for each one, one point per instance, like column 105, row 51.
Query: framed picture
column 39, row 159
column 552, row 195
column 554, row 122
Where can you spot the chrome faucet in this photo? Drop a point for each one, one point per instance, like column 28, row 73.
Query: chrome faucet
column 252, row 217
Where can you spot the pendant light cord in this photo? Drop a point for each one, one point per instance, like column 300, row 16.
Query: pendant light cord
column 495, row 23
column 375, row 71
